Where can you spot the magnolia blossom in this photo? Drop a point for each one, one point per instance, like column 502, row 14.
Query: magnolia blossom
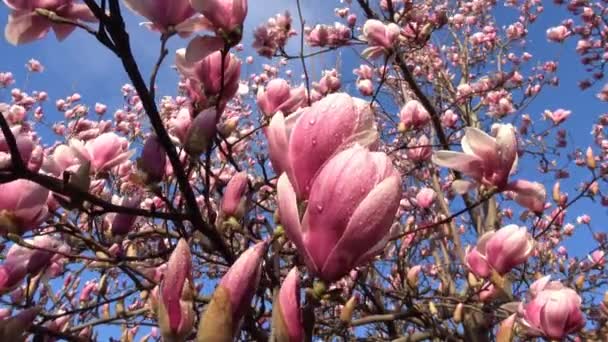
column 24, row 209
column 169, row 16
column 325, row 35
column 302, row 143
column 232, row 297
column 225, row 15
column 233, row 202
column 205, row 75
column 31, row 153
column 120, row 223
column 175, row 306
column 201, row 132
column 287, row 319
column 551, row 310
column 104, row 152
column 22, row 261
column 531, row 195
column 13, row 328
column 25, row 24
column 486, row 159
column 278, row 96
column 419, row 150
column 350, row 210
column 425, row 198
column 414, row 115
column 500, row 251
column 380, row 37
column 153, row 160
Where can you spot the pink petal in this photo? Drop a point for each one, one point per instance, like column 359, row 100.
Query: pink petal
column 179, row 268
column 289, row 297
column 202, row 46
column 25, row 27
column 369, row 224
column 319, row 133
column 278, row 144
column 290, row 218
column 468, row 164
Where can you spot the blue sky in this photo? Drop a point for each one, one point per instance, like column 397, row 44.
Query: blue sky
column 80, row 64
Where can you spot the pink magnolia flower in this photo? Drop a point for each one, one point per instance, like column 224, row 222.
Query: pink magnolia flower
column 531, row 195
column 379, row 37
column 558, row 116
column 169, row 16
column 104, row 152
column 425, row 198
column 552, row 310
column 558, row 34
column 121, row 224
column 325, row 35
column 153, row 160
column 500, row 250
column 175, row 305
column 233, row 202
column 201, row 132
column 25, row 145
column 302, row 143
column 414, row 115
column 278, row 96
column 206, row 74
column 225, row 15
column 21, row 261
column 13, row 328
column 597, row 258
column 419, row 150
column 288, row 307
column 351, row 207
column 486, row 159
column 329, row 83
column 24, row 209
column 241, row 282
column 179, row 125
column 62, row 159
column 365, row 87
column 26, row 25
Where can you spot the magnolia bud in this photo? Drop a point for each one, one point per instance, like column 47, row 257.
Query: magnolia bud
column 201, row 133
column 412, row 276
column 152, row 161
column 457, row 316
column 346, row 315
column 579, row 282
column 556, row 192
column 590, row 159
column 433, row 309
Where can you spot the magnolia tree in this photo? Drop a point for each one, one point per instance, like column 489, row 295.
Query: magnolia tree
column 409, row 206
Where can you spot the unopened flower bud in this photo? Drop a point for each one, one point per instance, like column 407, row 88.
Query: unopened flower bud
column 346, row 315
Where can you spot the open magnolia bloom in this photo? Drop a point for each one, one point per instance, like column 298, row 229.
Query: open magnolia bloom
column 22, row 261
column 169, row 16
column 25, row 209
column 103, row 152
column 26, row 25
column 552, row 310
column 486, row 159
column 490, row 161
column 350, row 210
column 300, row 144
column 500, row 251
